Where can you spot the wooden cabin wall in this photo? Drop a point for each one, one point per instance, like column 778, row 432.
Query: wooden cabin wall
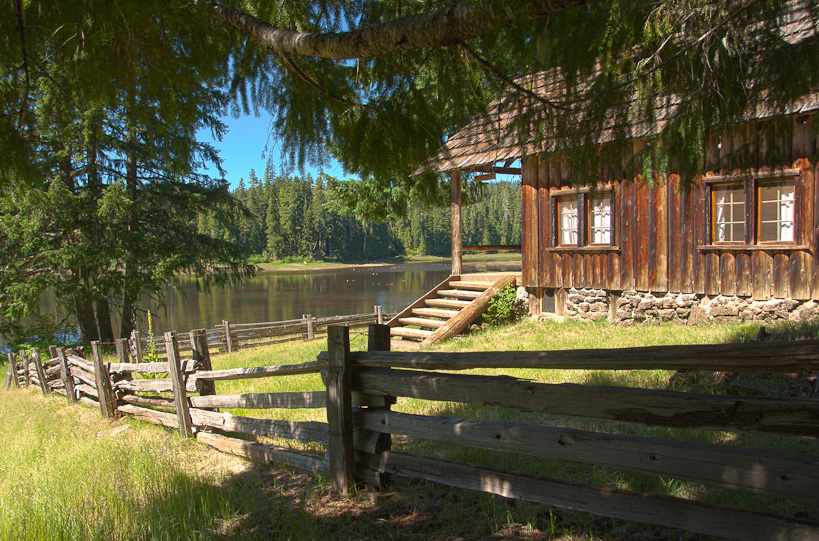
column 661, row 226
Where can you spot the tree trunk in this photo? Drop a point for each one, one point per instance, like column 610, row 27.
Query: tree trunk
column 86, row 319
column 104, row 321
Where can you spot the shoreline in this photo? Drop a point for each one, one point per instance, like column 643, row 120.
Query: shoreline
column 328, row 265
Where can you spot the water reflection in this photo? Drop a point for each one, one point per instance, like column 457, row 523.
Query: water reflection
column 281, row 295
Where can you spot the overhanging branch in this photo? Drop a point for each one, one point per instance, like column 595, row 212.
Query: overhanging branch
column 449, row 25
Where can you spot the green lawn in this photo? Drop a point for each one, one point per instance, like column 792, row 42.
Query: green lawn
column 67, row 474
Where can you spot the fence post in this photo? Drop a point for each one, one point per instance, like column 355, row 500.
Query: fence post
column 180, row 397
column 105, row 390
column 340, row 410
column 369, row 441
column 136, row 339
column 228, row 341
column 52, row 351
column 38, row 366
column 15, row 377
column 24, row 361
column 379, row 314
column 11, row 374
column 201, row 354
column 308, row 319
column 65, row 372
column 122, row 350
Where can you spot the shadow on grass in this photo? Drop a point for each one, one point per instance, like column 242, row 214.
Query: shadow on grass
column 276, row 503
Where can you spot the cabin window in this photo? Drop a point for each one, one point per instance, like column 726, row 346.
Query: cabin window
column 729, row 213
column 756, row 211
column 776, row 214
column 568, row 216
column 600, row 219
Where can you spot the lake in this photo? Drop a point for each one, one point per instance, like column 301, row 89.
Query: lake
column 288, row 294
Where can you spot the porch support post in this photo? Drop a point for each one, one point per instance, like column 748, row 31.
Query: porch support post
column 457, row 234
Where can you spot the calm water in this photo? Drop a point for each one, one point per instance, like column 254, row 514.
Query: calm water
column 281, row 295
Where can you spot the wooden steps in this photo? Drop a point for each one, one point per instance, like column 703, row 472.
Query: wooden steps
column 445, row 311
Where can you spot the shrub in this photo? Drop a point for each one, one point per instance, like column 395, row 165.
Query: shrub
column 504, row 307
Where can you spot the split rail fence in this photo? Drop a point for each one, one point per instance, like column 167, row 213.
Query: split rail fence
column 229, row 337
column 362, row 386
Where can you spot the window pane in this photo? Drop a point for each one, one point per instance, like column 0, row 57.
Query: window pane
column 777, row 212
column 600, row 220
column 568, row 221
column 729, row 213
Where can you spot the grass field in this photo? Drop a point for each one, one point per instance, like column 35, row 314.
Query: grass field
column 67, row 474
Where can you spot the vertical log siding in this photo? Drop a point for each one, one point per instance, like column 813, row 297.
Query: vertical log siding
column 662, row 228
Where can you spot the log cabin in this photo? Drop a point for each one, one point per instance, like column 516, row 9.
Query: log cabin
column 736, row 242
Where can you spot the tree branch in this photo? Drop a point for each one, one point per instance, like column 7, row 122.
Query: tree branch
column 450, row 25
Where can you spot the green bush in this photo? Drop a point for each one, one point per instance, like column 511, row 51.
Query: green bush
column 503, row 307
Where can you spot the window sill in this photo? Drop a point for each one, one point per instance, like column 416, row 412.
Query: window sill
column 584, row 249
column 768, row 247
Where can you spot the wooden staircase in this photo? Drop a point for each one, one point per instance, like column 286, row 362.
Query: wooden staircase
column 445, row 311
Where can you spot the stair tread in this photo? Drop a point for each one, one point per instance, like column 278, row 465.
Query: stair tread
column 409, row 333
column 463, row 284
column 446, row 303
column 459, row 293
column 421, row 322
column 434, row 312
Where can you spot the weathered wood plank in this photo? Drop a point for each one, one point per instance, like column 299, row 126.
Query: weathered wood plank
column 24, row 361
column 744, row 276
column 645, row 243
column 157, row 385
column 771, row 473
column 201, row 356
column 781, row 276
column 41, row 376
column 88, row 390
column 687, row 250
column 813, row 239
column 657, row 252
column 265, row 454
column 107, row 399
column 340, row 410
column 149, row 401
column 66, row 376
column 649, row 508
column 727, row 274
column 530, row 218
column 148, row 368
column 151, row 416
column 82, row 375
column 652, row 407
column 304, row 431
column 180, row 397
column 317, row 399
column 261, row 371
column 700, row 235
column 764, row 357
column 79, row 362
column 762, row 268
column 627, row 234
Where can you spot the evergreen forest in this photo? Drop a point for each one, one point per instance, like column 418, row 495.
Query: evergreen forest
column 303, row 218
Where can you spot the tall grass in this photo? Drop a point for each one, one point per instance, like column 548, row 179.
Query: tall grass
column 68, row 474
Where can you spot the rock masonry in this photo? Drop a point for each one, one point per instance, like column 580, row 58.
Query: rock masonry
column 635, row 307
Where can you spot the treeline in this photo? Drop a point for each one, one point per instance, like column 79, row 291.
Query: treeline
column 301, row 217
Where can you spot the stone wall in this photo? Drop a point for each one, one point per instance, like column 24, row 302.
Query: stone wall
column 638, row 307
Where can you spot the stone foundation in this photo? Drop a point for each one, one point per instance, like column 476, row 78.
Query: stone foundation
column 637, row 307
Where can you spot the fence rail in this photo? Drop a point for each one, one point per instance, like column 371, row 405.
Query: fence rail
column 228, row 337
column 361, row 387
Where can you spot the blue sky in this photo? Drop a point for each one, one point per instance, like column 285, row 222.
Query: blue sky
column 247, row 145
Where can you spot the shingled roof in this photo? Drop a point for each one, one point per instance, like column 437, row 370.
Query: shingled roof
column 499, row 134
